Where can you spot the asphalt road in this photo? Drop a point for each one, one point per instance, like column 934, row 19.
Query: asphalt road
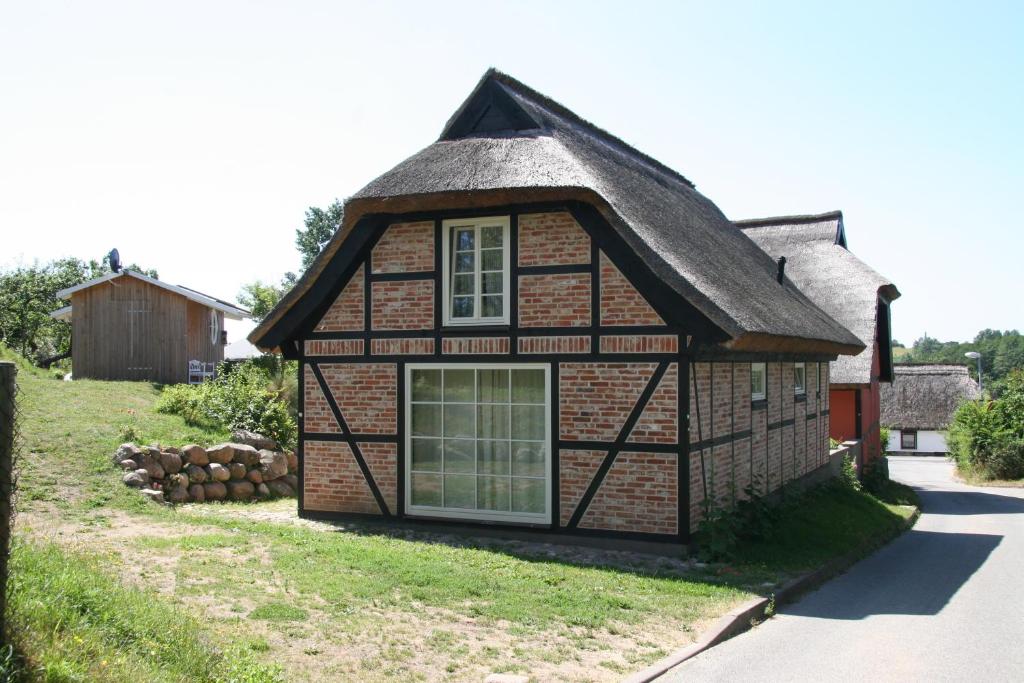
column 943, row 602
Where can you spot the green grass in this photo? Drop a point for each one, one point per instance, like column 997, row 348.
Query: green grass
column 279, row 611
column 75, row 622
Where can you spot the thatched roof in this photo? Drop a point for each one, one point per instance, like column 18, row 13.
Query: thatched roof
column 509, row 144
column 819, row 263
column 925, row 396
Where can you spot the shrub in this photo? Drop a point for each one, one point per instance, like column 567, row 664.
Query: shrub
column 241, row 397
column 987, row 437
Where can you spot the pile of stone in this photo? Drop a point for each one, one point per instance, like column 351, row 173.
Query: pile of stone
column 250, row 467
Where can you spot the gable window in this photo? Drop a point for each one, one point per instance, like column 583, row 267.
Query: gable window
column 476, row 271
column 214, row 327
column 799, row 379
column 908, row 439
column 757, row 381
column 477, row 442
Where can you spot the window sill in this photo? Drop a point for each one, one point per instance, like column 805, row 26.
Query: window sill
column 799, row 398
column 475, row 328
column 759, row 404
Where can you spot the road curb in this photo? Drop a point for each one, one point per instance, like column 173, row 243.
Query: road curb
column 741, row 618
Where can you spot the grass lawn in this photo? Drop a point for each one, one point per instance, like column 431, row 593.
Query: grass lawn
column 109, row 587
column 970, row 476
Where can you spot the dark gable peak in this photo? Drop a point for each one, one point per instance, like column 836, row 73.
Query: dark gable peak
column 489, row 110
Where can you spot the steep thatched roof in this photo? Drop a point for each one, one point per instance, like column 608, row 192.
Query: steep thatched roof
column 508, row 144
column 925, row 396
column 819, row 263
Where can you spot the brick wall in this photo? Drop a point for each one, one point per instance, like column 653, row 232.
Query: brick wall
column 346, row 313
column 596, row 398
column 403, row 305
column 561, row 300
column 382, row 460
column 640, row 343
column 317, row 413
column 402, row 347
column 475, row 345
column 332, row 480
column 554, row 344
column 639, row 494
column 621, row 303
column 405, row 248
column 366, row 394
column 552, row 239
column 334, row 347
column 658, row 422
column 576, row 471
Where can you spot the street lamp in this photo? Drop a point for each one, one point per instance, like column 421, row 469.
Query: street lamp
column 974, row 355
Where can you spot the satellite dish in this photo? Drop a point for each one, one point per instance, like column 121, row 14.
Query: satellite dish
column 115, row 260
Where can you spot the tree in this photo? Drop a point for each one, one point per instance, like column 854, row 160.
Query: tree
column 320, row 226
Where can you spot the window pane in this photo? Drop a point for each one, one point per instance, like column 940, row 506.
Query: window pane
column 492, row 457
column 426, row 385
column 528, row 422
column 426, row 419
column 464, row 263
column 464, row 284
column 459, row 491
column 462, row 307
column 490, row 237
column 492, row 493
column 459, row 421
column 492, row 306
column 426, row 489
column 492, row 421
column 493, row 386
column 459, row 455
column 492, row 283
column 464, row 240
column 426, row 455
column 527, row 459
column 492, row 259
column 527, row 495
column 459, row 386
column 528, row 386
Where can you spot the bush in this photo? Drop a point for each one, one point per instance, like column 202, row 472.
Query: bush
column 245, row 396
column 987, row 437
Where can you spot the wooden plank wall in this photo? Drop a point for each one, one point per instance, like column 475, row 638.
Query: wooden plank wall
column 127, row 329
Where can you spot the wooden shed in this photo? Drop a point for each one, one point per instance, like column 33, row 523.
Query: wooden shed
column 128, row 326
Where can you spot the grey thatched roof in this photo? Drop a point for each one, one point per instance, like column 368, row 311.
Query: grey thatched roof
column 925, row 396
column 551, row 154
column 819, row 263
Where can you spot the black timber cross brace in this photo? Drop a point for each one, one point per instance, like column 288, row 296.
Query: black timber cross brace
column 352, row 444
column 617, row 446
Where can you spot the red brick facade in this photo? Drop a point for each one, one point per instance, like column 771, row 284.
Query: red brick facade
column 403, row 305
column 596, row 398
column 639, row 495
column 474, row 345
column 547, row 239
column 405, row 248
column 561, row 300
column 554, row 345
column 334, row 347
column 366, row 394
column 332, row 480
column 402, row 347
column 621, row 303
column 346, row 313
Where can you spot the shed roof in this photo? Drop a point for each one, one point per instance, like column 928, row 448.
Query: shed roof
column 229, row 310
column 508, row 143
column 820, row 264
column 924, row 396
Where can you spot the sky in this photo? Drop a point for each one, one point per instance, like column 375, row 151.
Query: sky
column 192, row 136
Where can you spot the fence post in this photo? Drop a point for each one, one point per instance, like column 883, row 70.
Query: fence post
column 8, row 387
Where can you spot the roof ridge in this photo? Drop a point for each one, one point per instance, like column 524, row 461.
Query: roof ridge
column 561, row 110
column 788, row 220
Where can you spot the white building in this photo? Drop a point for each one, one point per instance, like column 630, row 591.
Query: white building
column 919, row 405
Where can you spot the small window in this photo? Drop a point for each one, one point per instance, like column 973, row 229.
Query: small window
column 908, row 439
column 757, row 381
column 799, row 379
column 214, row 327
column 476, row 267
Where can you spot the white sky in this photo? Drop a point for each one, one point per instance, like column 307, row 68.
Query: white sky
column 192, row 136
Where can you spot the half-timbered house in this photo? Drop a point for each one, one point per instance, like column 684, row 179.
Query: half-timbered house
column 530, row 323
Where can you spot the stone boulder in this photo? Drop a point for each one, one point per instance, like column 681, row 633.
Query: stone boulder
column 292, row 481
column 279, row 487
column 195, row 455
column 197, row 493
column 153, row 495
column 177, row 479
column 218, row 472
column 293, row 461
column 129, row 465
column 221, row 453
column 137, row 479
column 262, row 490
column 237, row 470
column 245, row 455
column 170, row 461
column 254, row 439
column 241, row 490
column 178, row 495
column 255, row 476
column 126, row 451
column 273, row 464
column 151, row 463
column 215, row 490
column 196, row 474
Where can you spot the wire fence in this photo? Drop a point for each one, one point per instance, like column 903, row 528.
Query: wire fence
column 8, row 445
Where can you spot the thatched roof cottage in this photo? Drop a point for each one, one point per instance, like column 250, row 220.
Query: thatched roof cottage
column 919, row 405
column 530, row 323
column 819, row 262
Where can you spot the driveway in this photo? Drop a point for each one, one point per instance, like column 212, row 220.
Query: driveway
column 943, row 602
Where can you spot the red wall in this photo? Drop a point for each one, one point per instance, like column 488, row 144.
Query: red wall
column 843, row 421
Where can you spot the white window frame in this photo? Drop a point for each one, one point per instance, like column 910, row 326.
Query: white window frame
column 480, row 515
column 759, row 395
column 214, row 328
column 800, row 389
column 447, row 226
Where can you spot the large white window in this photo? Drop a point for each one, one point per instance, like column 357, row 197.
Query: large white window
column 476, row 271
column 478, row 442
column 757, row 381
column 799, row 379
